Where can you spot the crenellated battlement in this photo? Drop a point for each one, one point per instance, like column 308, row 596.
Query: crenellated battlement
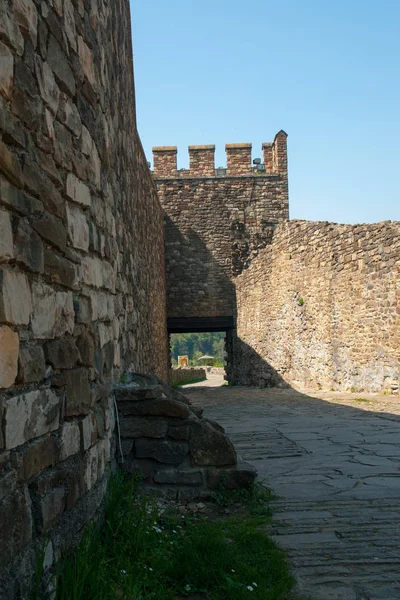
column 238, row 160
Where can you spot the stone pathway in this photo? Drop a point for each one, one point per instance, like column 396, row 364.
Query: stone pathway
column 333, row 461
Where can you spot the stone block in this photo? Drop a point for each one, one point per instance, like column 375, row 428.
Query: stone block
column 86, row 59
column 18, row 200
column 179, row 477
column 30, row 415
column 31, row 364
column 59, row 269
column 146, row 468
column 78, row 393
column 15, row 298
column 77, row 190
column 69, row 23
column 6, row 71
column 10, row 166
column 59, row 63
column 49, row 509
column 28, row 247
column 37, row 456
column 179, row 432
column 39, row 184
column 83, row 309
column 241, row 477
column 88, row 431
column 9, row 344
column 16, row 525
column 69, row 116
column 53, row 312
column 8, row 482
column 78, row 230
column 92, row 271
column 85, row 345
column 163, row 407
column 70, row 439
column 48, row 87
column 99, row 418
column 26, row 16
column 6, row 239
column 168, row 452
column 210, row 447
column 62, row 353
column 9, row 30
column 52, row 230
column 133, row 427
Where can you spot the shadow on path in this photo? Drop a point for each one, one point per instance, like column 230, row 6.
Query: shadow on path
column 333, row 461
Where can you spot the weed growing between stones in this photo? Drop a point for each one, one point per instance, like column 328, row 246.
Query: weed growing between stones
column 141, row 552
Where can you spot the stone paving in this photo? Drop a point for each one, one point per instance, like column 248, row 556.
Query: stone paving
column 333, row 461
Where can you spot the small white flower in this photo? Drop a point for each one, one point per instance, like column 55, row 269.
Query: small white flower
column 250, row 588
column 123, row 571
column 187, row 588
column 174, row 531
column 233, row 570
column 254, row 583
column 150, row 569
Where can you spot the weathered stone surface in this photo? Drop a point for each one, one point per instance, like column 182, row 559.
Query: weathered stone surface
column 85, row 346
column 88, row 431
column 77, row 190
column 52, row 230
column 169, row 452
column 15, row 298
column 83, row 309
column 39, row 455
column 69, row 116
column 156, row 408
column 78, row 393
column 10, row 166
column 53, row 312
column 31, row 364
column 26, row 16
column 16, row 525
column 6, row 71
column 6, row 239
column 18, row 200
column 60, row 66
column 241, row 477
column 210, row 447
column 78, row 230
column 8, row 482
column 28, row 247
column 70, row 439
column 179, row 477
column 9, row 344
column 179, row 432
column 47, row 84
column 62, row 353
column 9, row 29
column 150, row 428
column 59, row 269
column 30, row 415
column 49, row 509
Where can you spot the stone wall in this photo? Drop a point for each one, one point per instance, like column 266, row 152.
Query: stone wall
column 186, row 375
column 217, row 221
column 320, row 307
column 82, row 294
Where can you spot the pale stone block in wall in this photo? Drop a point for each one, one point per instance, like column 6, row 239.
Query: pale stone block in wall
column 31, row 365
column 47, row 85
column 6, row 71
column 6, row 240
column 105, row 333
column 9, row 345
column 77, row 190
column 58, row 61
column 26, row 15
column 69, row 23
column 53, row 312
column 30, row 415
column 92, row 271
column 15, row 298
column 78, row 230
column 88, row 431
column 86, row 58
column 70, row 439
column 69, row 116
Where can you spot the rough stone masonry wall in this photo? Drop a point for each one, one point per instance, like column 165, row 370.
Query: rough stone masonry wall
column 214, row 226
column 321, row 307
column 82, row 294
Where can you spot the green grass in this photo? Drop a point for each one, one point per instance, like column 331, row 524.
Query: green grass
column 189, row 382
column 138, row 555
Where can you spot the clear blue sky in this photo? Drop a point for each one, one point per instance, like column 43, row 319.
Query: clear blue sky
column 325, row 71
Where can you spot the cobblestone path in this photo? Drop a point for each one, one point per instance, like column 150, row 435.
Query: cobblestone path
column 333, row 461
